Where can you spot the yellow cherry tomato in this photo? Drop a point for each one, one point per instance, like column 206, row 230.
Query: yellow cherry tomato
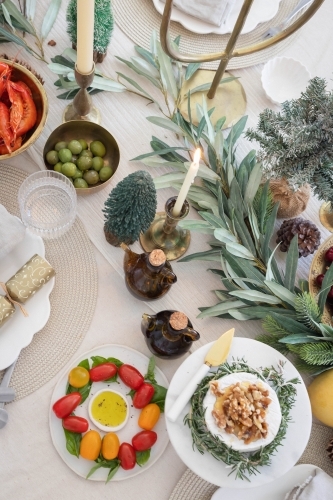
column 110, row 446
column 90, row 446
column 149, row 416
column 78, row 377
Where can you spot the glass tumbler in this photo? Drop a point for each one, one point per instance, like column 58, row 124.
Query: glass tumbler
column 47, row 201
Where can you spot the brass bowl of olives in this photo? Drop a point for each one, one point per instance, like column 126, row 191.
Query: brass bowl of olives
column 85, row 152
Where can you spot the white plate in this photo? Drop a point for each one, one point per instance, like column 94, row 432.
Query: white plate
column 18, row 331
column 82, row 466
column 261, row 11
column 276, row 490
column 206, row 466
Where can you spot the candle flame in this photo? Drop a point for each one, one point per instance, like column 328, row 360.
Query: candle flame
column 197, row 156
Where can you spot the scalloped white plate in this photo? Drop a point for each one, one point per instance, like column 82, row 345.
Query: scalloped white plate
column 82, row 466
column 18, row 331
column 206, row 466
column 261, row 11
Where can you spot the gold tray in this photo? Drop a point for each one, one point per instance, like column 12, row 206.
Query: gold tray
column 318, row 266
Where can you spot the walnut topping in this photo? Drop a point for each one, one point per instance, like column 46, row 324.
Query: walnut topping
column 157, row 257
column 178, row 320
column 241, row 409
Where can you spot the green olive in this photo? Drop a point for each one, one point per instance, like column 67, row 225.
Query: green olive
column 97, row 163
column 97, row 148
column 75, row 147
column 52, row 157
column 60, row 145
column 80, row 183
column 91, row 177
column 83, row 143
column 68, row 169
column 86, row 152
column 105, row 173
column 57, row 167
column 65, row 155
column 74, row 159
column 78, row 174
column 84, row 163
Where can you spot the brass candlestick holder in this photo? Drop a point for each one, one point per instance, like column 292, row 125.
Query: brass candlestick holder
column 164, row 232
column 233, row 104
column 81, row 107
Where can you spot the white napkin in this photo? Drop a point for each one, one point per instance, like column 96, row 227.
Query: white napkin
column 318, row 486
column 12, row 231
column 211, row 11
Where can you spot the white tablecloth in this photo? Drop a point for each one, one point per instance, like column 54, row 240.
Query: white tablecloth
column 30, row 467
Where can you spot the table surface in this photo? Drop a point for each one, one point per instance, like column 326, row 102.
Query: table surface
column 30, row 467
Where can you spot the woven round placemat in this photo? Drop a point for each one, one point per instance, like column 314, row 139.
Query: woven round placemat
column 138, row 18
column 191, row 486
column 72, row 299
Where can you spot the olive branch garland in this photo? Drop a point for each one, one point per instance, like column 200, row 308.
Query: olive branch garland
column 247, row 463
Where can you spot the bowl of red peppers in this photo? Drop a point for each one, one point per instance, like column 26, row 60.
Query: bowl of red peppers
column 23, row 108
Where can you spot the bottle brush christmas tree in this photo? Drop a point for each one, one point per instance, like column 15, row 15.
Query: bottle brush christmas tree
column 130, row 208
column 297, row 143
column 102, row 30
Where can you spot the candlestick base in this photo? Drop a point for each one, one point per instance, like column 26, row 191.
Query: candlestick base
column 81, row 107
column 229, row 100
column 165, row 234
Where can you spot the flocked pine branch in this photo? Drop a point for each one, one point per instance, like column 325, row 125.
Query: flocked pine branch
column 297, row 143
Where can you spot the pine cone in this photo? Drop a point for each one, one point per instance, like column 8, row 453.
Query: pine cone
column 330, row 450
column 308, row 236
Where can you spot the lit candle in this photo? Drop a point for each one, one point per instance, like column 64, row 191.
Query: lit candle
column 191, row 173
column 85, row 36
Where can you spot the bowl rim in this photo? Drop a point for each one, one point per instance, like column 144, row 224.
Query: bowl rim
column 42, row 122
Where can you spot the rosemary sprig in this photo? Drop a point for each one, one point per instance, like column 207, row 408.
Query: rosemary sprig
column 247, row 463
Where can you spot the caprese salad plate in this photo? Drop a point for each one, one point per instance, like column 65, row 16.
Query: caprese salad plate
column 80, row 419
column 204, row 438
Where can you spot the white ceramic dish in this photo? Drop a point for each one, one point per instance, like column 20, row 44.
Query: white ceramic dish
column 81, row 466
column 97, row 423
column 261, row 11
column 206, row 466
column 284, row 78
column 276, row 490
column 18, row 331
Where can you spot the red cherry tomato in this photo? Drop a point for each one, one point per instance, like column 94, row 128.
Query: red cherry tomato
column 144, row 440
column 130, row 376
column 127, row 456
column 102, row 372
column 143, row 395
column 64, row 406
column 75, row 424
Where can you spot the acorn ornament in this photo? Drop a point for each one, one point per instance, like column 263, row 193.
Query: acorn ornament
column 308, row 236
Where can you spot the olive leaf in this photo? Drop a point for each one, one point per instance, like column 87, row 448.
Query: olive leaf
column 50, row 17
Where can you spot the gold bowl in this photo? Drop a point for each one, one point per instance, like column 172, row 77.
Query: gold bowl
column 89, row 131
column 21, row 73
column 318, row 266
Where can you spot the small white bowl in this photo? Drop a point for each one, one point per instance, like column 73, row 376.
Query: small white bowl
column 108, row 428
column 284, row 78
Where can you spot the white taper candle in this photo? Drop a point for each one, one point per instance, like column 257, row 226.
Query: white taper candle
column 191, row 173
column 85, row 36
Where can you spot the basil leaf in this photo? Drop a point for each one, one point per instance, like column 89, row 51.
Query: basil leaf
column 85, row 364
column 131, row 393
column 92, row 470
column 112, row 471
column 142, row 457
column 73, row 440
column 115, row 361
column 160, row 404
column 98, row 360
column 151, row 369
